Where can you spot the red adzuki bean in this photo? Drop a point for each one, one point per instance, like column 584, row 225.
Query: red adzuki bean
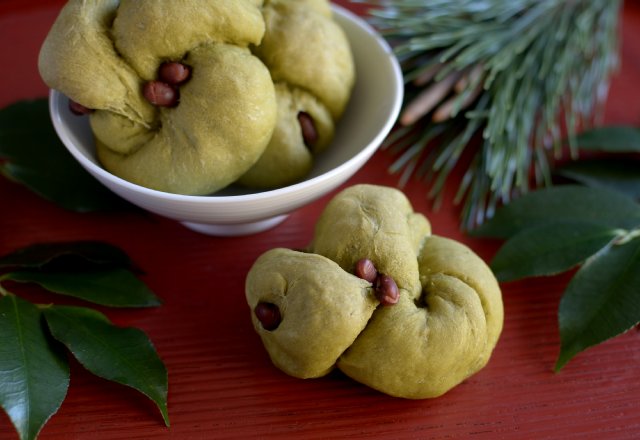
column 174, row 73
column 308, row 127
column 366, row 270
column 268, row 314
column 78, row 109
column 160, row 93
column 386, row 290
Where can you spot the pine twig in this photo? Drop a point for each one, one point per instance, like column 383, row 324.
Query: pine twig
column 521, row 74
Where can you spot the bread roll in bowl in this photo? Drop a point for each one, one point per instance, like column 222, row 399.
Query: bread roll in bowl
column 207, row 132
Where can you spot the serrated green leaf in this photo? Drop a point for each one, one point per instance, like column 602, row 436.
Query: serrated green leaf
column 549, row 248
column 112, row 287
column 562, row 203
column 615, row 174
column 122, row 355
column 35, row 157
column 601, row 301
column 34, row 374
column 94, row 253
column 615, row 139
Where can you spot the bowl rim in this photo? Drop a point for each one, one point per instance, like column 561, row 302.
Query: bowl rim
column 341, row 13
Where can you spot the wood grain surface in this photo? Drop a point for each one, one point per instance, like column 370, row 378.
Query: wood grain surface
column 221, row 382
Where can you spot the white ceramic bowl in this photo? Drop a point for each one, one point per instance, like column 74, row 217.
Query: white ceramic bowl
column 370, row 115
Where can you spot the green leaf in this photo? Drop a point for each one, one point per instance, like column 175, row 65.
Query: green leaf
column 601, row 301
column 122, row 355
column 616, row 174
column 563, row 202
column 620, row 139
column 34, row 375
column 549, row 249
column 35, row 157
column 112, row 287
column 95, row 253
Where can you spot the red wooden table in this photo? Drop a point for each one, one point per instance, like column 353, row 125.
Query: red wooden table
column 221, row 382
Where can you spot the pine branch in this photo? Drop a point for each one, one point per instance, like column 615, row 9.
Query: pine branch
column 522, row 75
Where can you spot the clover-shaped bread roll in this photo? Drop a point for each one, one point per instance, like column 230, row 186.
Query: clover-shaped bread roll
column 100, row 53
column 313, row 313
column 196, row 133
column 311, row 64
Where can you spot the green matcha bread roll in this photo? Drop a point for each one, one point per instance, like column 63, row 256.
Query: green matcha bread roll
column 311, row 63
column 408, row 313
column 192, row 136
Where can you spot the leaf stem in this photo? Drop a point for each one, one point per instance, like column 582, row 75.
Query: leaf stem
column 44, row 306
column 627, row 236
column 3, row 291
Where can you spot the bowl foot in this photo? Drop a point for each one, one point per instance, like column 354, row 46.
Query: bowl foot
column 234, row 230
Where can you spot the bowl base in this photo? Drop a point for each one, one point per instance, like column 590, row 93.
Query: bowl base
column 235, row 230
